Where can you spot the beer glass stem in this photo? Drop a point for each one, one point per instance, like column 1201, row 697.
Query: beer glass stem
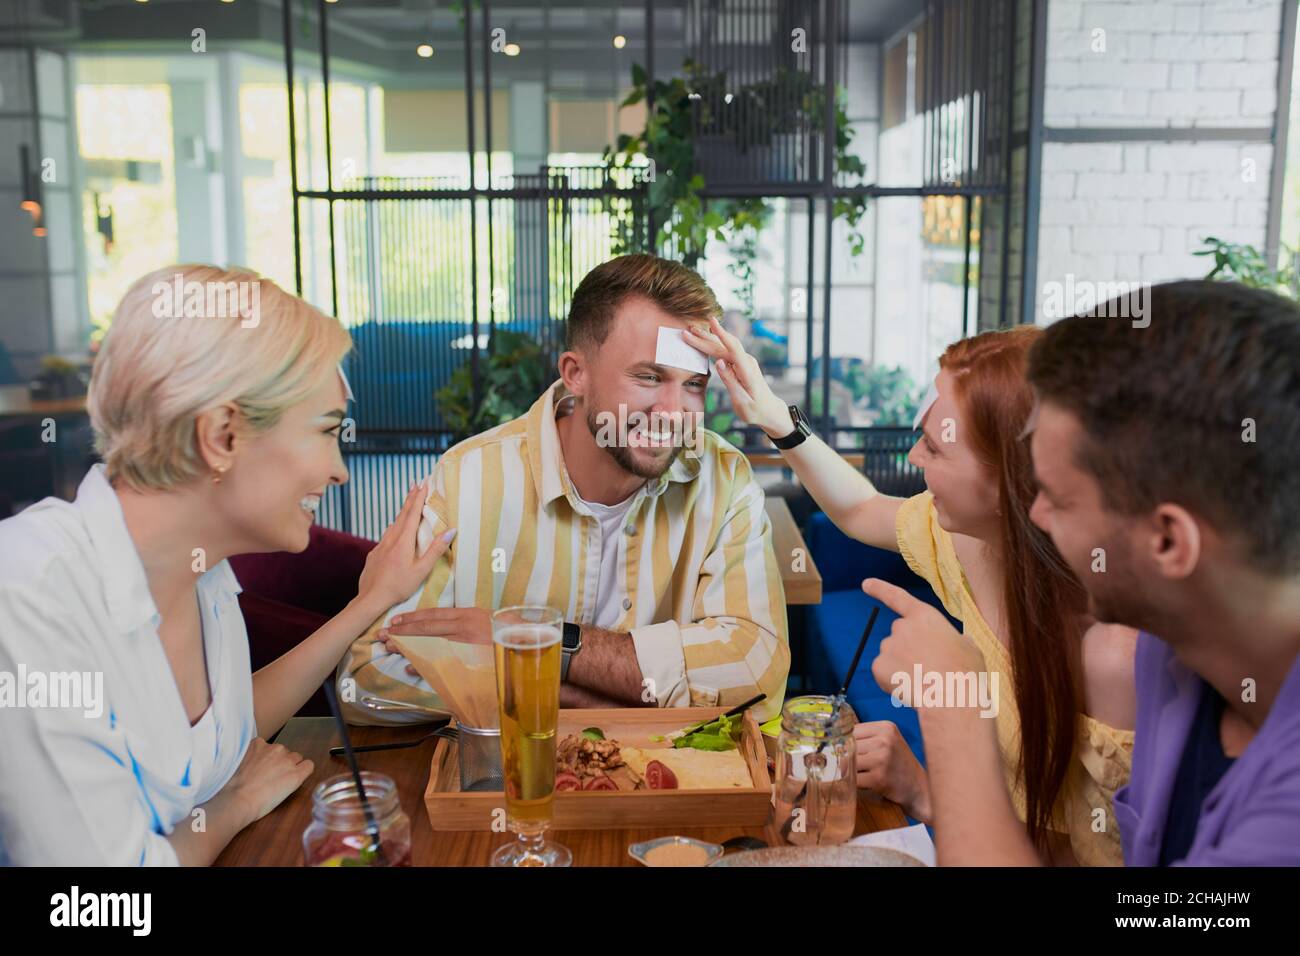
column 532, row 841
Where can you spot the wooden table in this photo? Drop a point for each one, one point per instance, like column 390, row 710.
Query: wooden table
column 276, row 839
column 16, row 402
column 799, row 574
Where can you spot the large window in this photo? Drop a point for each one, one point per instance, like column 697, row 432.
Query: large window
column 129, row 200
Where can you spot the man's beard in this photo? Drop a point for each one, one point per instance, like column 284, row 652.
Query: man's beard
column 623, row 456
column 1115, row 596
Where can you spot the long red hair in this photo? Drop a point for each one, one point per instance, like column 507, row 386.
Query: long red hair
column 1043, row 600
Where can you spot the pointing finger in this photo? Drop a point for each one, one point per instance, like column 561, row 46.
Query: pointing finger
column 893, row 597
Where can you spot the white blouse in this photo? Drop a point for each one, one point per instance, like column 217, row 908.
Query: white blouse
column 103, row 777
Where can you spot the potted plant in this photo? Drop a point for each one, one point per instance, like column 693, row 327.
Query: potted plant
column 515, row 373
column 689, row 136
column 58, row 378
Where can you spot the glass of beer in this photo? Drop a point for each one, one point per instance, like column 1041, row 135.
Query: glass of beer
column 527, row 645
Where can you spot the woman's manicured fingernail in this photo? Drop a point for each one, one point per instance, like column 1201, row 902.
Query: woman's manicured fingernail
column 449, row 536
column 395, row 619
column 382, row 634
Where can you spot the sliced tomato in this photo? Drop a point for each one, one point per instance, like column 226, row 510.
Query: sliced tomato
column 567, row 781
column 659, row 777
column 600, row 783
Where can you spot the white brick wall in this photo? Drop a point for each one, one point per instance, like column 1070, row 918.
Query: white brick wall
column 1146, row 208
column 1162, row 63
column 1137, row 211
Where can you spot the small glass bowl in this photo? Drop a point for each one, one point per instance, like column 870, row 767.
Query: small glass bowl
column 640, row 851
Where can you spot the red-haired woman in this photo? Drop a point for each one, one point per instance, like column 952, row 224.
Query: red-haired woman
column 1063, row 678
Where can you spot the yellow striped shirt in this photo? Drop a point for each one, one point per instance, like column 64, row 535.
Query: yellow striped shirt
column 698, row 580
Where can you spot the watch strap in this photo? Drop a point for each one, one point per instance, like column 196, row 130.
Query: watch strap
column 796, row 437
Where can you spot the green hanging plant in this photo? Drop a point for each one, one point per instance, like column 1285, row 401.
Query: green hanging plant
column 745, row 225
column 787, row 102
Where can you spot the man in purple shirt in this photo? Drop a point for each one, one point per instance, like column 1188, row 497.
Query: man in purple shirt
column 1167, row 454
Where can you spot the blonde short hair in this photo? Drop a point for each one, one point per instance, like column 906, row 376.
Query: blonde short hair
column 187, row 338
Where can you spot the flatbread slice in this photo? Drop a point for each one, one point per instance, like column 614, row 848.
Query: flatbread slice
column 695, row 769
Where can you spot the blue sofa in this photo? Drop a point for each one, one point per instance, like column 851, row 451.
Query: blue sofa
column 834, row 627
column 397, row 366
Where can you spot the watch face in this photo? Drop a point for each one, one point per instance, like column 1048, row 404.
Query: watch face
column 800, row 423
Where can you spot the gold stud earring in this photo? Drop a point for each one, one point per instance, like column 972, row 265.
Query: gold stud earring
column 217, row 474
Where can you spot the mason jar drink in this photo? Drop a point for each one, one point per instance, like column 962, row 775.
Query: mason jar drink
column 816, row 777
column 341, row 835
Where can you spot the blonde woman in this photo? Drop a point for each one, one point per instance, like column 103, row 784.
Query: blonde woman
column 216, row 402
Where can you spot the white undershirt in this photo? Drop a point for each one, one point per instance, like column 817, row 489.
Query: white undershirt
column 609, row 610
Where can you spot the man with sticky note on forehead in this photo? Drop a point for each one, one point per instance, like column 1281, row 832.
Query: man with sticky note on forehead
column 610, row 502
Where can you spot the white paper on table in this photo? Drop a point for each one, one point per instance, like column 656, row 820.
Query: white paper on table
column 671, row 349
column 914, row 841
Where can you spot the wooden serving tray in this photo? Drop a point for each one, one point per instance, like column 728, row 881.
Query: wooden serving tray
column 450, row 809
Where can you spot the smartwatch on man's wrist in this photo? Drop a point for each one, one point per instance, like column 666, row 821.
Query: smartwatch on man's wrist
column 570, row 644
column 796, row 437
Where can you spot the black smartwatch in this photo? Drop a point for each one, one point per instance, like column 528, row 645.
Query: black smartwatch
column 796, row 437
column 570, row 644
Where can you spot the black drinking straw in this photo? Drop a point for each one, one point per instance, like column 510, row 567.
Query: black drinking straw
column 862, row 645
column 356, row 772
column 843, row 695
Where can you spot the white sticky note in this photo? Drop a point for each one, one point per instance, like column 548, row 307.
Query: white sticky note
column 673, row 350
column 347, row 388
column 931, row 397
column 1031, row 422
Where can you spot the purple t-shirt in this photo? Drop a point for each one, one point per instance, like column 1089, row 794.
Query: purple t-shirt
column 1252, row 816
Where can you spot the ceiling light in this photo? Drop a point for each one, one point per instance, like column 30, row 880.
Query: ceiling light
column 512, row 49
column 424, row 50
column 620, row 41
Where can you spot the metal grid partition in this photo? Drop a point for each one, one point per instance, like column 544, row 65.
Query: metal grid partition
column 422, row 299
column 427, row 271
column 966, row 69
column 884, row 455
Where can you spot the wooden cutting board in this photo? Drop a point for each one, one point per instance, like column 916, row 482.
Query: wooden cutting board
column 450, row 809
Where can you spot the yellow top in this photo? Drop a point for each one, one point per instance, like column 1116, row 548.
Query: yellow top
column 1104, row 753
